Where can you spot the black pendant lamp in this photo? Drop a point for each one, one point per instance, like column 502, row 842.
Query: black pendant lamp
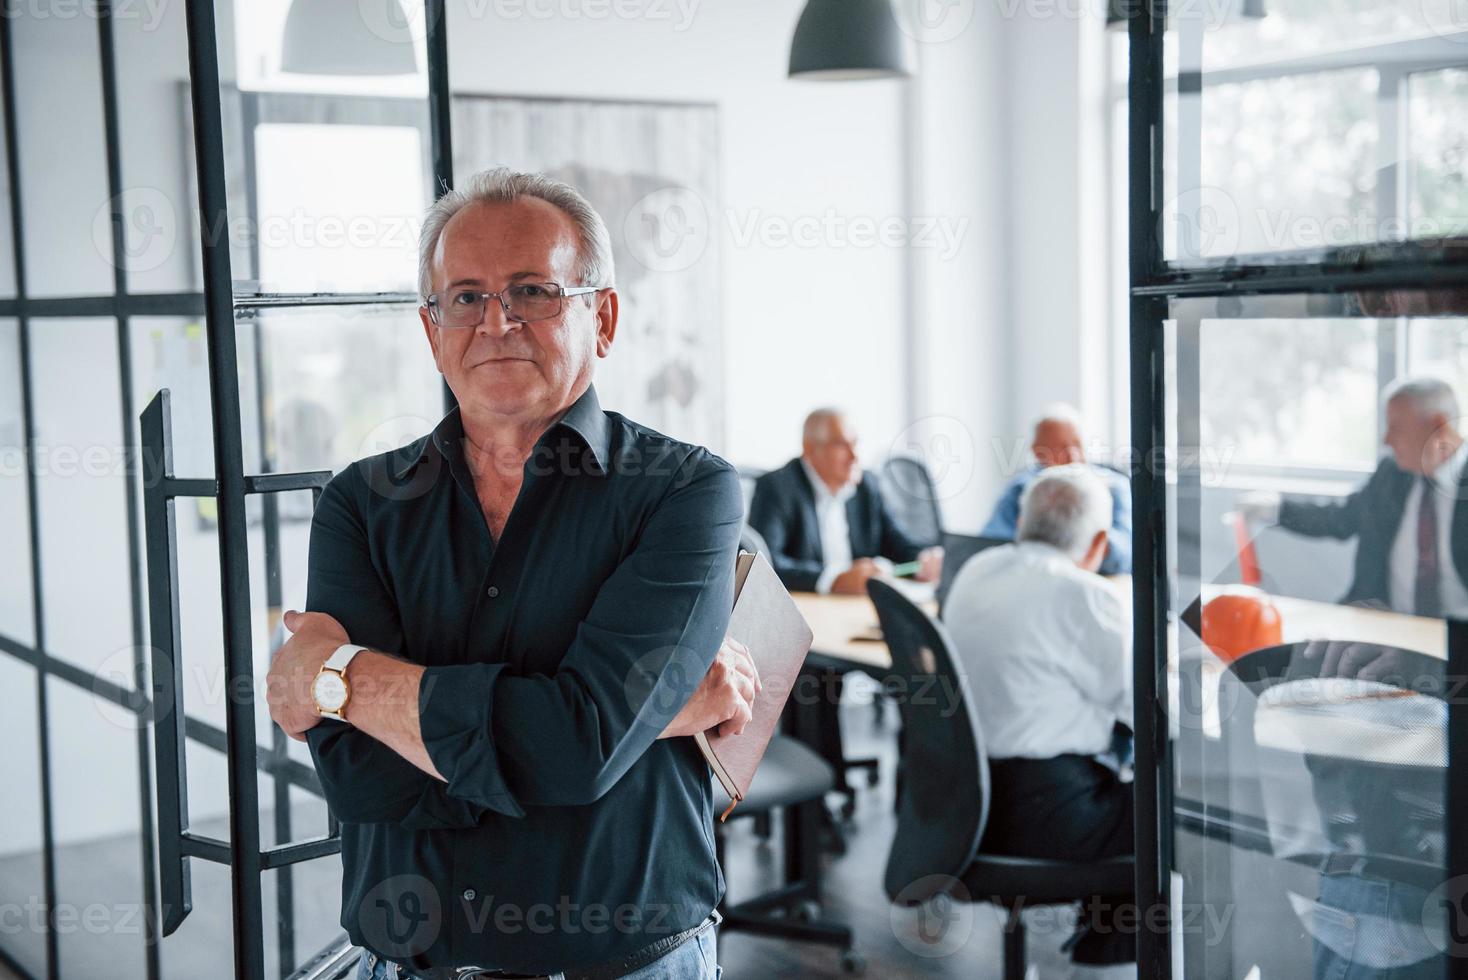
column 848, row 40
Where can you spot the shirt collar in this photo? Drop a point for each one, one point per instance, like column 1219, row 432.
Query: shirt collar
column 584, row 418
column 1448, row 475
column 1041, row 549
column 822, row 491
column 587, row 420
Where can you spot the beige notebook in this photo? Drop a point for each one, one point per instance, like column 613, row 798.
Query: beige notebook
column 766, row 621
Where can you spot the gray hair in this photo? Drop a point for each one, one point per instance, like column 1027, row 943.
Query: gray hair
column 1429, row 396
column 817, row 426
column 1065, row 506
column 502, row 185
column 1061, row 412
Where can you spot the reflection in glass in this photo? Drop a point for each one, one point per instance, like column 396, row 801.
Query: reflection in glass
column 343, row 229
column 1294, row 28
column 16, row 615
column 1290, row 390
column 21, row 879
column 1306, row 673
column 80, row 491
column 1296, row 158
column 1315, row 127
column 160, row 237
column 339, row 383
column 1438, row 131
column 66, row 234
column 348, row 222
column 94, row 758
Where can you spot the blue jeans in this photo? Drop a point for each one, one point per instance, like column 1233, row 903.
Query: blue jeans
column 694, row 960
column 1371, row 929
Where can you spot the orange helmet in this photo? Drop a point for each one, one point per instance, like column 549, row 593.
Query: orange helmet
column 1240, row 621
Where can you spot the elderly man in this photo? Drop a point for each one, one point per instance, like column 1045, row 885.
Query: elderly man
column 1046, row 645
column 828, row 529
column 1409, row 520
column 508, row 619
column 1058, row 441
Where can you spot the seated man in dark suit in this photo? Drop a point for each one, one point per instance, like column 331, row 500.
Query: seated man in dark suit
column 1410, row 520
column 829, row 530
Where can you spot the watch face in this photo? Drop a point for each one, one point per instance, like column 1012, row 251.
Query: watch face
column 329, row 690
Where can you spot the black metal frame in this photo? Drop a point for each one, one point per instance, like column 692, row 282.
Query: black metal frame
column 166, row 849
column 176, row 843
column 1154, row 283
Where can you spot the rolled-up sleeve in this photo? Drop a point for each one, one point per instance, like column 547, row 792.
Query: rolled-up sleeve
column 505, row 741
column 364, row 780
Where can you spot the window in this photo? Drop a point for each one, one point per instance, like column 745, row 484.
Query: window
column 1297, row 390
column 1324, row 124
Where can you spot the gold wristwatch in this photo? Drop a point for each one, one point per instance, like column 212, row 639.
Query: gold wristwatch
column 329, row 688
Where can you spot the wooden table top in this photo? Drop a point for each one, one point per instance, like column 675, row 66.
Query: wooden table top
column 845, row 626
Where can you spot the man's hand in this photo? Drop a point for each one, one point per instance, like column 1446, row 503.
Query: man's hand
column 1259, row 507
column 930, row 561
column 853, row 581
column 1363, row 661
column 724, row 698
column 314, row 638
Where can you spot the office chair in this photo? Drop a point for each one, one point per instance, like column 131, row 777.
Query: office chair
column 751, row 540
column 747, row 477
column 1348, row 783
column 957, row 550
column 943, row 804
column 794, row 778
column 908, row 489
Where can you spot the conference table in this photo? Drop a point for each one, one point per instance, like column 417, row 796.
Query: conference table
column 848, row 636
column 846, row 628
column 1220, row 794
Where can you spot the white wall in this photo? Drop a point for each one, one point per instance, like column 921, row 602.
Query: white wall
column 805, row 326
column 959, row 170
column 1056, row 130
column 1013, row 139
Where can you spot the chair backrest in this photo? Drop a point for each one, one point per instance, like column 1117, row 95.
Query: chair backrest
column 752, row 541
column 1341, row 765
column 957, row 550
column 943, row 804
column 908, row 489
column 747, row 476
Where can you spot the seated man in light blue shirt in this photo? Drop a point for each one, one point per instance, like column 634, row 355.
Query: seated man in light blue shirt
column 1057, row 441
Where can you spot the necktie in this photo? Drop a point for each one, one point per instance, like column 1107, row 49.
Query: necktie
column 1426, row 596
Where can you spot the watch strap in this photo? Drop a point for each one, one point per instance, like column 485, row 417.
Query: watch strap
column 337, row 664
column 338, row 661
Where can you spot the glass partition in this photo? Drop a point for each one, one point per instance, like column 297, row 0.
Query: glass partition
column 1306, row 675
column 1297, row 128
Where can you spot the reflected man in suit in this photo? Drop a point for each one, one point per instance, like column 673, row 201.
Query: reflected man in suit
column 828, row 529
column 1409, row 520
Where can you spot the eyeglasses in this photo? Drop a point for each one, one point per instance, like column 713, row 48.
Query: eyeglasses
column 524, row 302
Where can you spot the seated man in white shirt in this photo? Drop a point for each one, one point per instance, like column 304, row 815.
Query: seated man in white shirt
column 1046, row 645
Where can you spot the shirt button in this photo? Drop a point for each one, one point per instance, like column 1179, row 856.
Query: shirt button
column 494, row 590
column 470, row 894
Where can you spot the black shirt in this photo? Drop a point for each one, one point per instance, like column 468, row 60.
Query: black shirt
column 567, row 834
